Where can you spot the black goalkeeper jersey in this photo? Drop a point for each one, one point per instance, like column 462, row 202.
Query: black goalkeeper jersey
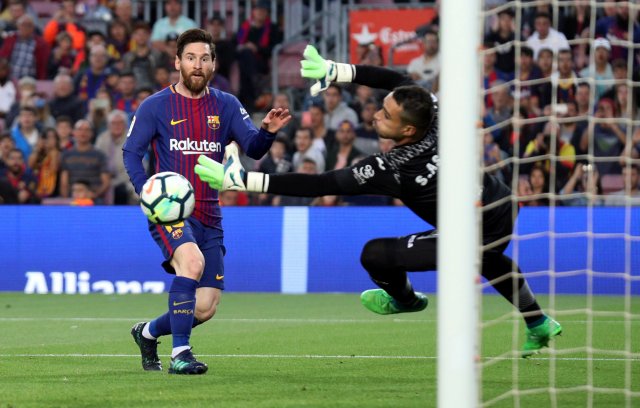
column 408, row 172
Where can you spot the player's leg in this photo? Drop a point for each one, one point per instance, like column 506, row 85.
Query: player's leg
column 212, row 281
column 507, row 279
column 387, row 261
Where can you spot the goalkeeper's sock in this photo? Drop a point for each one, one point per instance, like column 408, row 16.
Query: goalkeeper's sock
column 182, row 299
column 494, row 267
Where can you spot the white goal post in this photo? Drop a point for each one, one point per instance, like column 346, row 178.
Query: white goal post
column 458, row 192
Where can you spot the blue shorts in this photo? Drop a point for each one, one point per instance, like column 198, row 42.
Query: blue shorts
column 209, row 240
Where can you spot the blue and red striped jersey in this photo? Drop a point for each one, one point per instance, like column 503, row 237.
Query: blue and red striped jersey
column 179, row 129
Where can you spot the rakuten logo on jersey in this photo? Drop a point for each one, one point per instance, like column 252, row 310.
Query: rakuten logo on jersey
column 188, row 146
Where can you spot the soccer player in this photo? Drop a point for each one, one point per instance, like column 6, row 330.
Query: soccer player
column 408, row 172
column 181, row 121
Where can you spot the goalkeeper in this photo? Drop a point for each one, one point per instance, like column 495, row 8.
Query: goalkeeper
column 409, row 116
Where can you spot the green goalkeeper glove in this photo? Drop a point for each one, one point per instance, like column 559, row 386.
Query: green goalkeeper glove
column 325, row 71
column 210, row 171
column 231, row 176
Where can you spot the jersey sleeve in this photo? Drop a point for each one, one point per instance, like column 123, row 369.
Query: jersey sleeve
column 380, row 77
column 141, row 132
column 372, row 175
column 254, row 142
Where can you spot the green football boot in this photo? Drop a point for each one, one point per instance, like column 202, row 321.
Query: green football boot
column 379, row 301
column 186, row 363
column 539, row 336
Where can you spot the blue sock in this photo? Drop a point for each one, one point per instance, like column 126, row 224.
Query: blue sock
column 161, row 326
column 182, row 302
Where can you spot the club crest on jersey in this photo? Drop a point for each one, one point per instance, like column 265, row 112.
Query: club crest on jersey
column 213, row 122
column 177, row 233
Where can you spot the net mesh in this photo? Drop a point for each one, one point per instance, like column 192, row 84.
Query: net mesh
column 562, row 128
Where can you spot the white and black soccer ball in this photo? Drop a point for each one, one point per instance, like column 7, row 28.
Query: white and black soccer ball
column 167, row 198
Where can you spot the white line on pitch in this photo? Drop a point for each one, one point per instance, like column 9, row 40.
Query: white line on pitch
column 313, row 356
column 273, row 320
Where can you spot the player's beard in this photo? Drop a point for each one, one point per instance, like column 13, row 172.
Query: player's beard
column 195, row 84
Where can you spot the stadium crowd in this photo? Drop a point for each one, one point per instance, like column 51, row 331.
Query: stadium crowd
column 71, row 82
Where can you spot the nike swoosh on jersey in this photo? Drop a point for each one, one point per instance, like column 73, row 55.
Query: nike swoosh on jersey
column 181, row 303
column 218, row 277
column 175, row 122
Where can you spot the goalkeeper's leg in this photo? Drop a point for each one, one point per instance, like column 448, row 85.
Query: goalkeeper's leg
column 387, row 261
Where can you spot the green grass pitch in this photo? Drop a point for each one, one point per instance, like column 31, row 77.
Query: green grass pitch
column 270, row 350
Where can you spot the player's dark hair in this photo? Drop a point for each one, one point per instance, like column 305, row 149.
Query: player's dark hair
column 195, row 35
column 417, row 107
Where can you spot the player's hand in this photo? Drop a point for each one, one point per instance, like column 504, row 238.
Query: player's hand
column 313, row 66
column 210, row 171
column 234, row 173
column 276, row 119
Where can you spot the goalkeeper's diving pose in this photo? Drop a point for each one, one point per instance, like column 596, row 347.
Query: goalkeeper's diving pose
column 409, row 116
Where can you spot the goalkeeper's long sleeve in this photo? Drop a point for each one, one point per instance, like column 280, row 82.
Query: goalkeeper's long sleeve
column 379, row 77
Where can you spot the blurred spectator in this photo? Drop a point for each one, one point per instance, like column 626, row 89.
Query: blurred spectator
column 27, row 52
column 342, row 153
column 616, row 29
column 256, row 38
column 143, row 60
column 575, row 25
column 546, row 37
column 583, row 98
column 45, row 163
column 585, row 179
column 544, row 90
column 281, row 100
column 231, row 198
column 625, row 104
column 620, row 73
column 631, row 149
column 7, row 91
column 499, row 112
column 125, row 98
column 600, row 71
column 608, row 139
column 365, row 129
column 64, row 59
column 174, row 22
column 110, row 144
column 43, row 115
column 491, row 76
column 327, row 201
column 529, row 72
column 502, row 39
column 170, row 51
column 99, row 108
column 144, row 93
column 225, row 49
column 20, row 179
column 307, row 166
column 305, row 149
column 161, row 78
column 323, row 137
column 570, row 127
column 492, row 156
column 90, row 79
column 524, row 192
column 25, row 133
column 81, row 193
column 630, row 195
column 276, row 161
column 539, row 185
column 15, row 9
column 26, row 89
column 65, row 101
column 64, row 20
column 565, row 154
column 123, row 12
column 370, row 54
column 425, row 68
column 564, row 80
column 84, row 162
column 6, row 145
column 118, row 42
column 336, row 109
column 64, row 128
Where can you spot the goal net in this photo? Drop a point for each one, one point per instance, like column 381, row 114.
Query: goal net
column 561, row 126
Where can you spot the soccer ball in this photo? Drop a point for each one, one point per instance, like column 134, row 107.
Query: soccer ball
column 167, row 198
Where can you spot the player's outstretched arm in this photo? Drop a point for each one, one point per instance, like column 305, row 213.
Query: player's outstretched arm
column 314, row 66
column 231, row 175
